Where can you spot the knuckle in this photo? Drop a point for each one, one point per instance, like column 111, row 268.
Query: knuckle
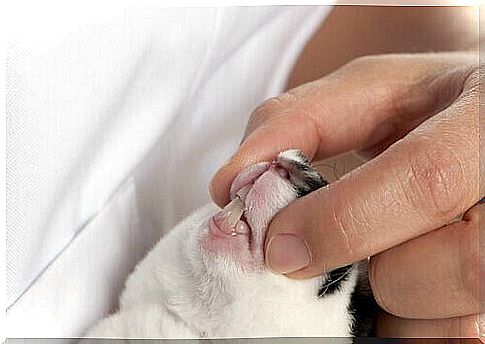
column 435, row 181
column 271, row 108
column 472, row 82
column 265, row 110
column 457, row 86
column 470, row 89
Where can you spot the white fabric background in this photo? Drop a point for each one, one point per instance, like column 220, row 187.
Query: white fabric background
column 115, row 125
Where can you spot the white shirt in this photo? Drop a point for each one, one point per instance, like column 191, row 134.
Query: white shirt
column 115, row 125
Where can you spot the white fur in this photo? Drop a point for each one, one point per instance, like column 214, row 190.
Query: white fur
column 180, row 290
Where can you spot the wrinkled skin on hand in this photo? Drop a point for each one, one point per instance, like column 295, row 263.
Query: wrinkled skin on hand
column 415, row 117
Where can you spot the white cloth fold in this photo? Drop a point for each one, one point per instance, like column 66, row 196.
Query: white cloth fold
column 114, row 131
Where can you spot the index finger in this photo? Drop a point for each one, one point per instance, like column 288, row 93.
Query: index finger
column 353, row 108
column 417, row 185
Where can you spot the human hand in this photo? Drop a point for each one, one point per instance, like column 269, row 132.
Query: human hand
column 416, row 117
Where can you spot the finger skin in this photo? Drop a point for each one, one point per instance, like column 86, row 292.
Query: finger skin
column 363, row 103
column 390, row 326
column 433, row 276
column 417, row 185
column 264, row 147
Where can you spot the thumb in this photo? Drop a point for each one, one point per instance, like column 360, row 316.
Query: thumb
column 418, row 184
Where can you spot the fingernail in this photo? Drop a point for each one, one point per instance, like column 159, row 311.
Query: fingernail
column 287, row 253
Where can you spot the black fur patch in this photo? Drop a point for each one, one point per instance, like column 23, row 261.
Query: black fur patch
column 334, row 280
column 363, row 307
column 312, row 180
column 362, row 304
column 305, row 177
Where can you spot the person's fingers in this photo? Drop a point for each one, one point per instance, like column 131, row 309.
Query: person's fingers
column 368, row 101
column 390, row 326
column 433, row 276
column 263, row 145
column 417, row 185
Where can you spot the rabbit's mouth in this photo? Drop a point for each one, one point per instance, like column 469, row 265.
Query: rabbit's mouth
column 257, row 194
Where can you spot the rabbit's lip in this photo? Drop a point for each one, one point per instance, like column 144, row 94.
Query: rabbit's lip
column 243, row 182
column 229, row 221
column 239, row 229
column 247, row 177
column 248, row 196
